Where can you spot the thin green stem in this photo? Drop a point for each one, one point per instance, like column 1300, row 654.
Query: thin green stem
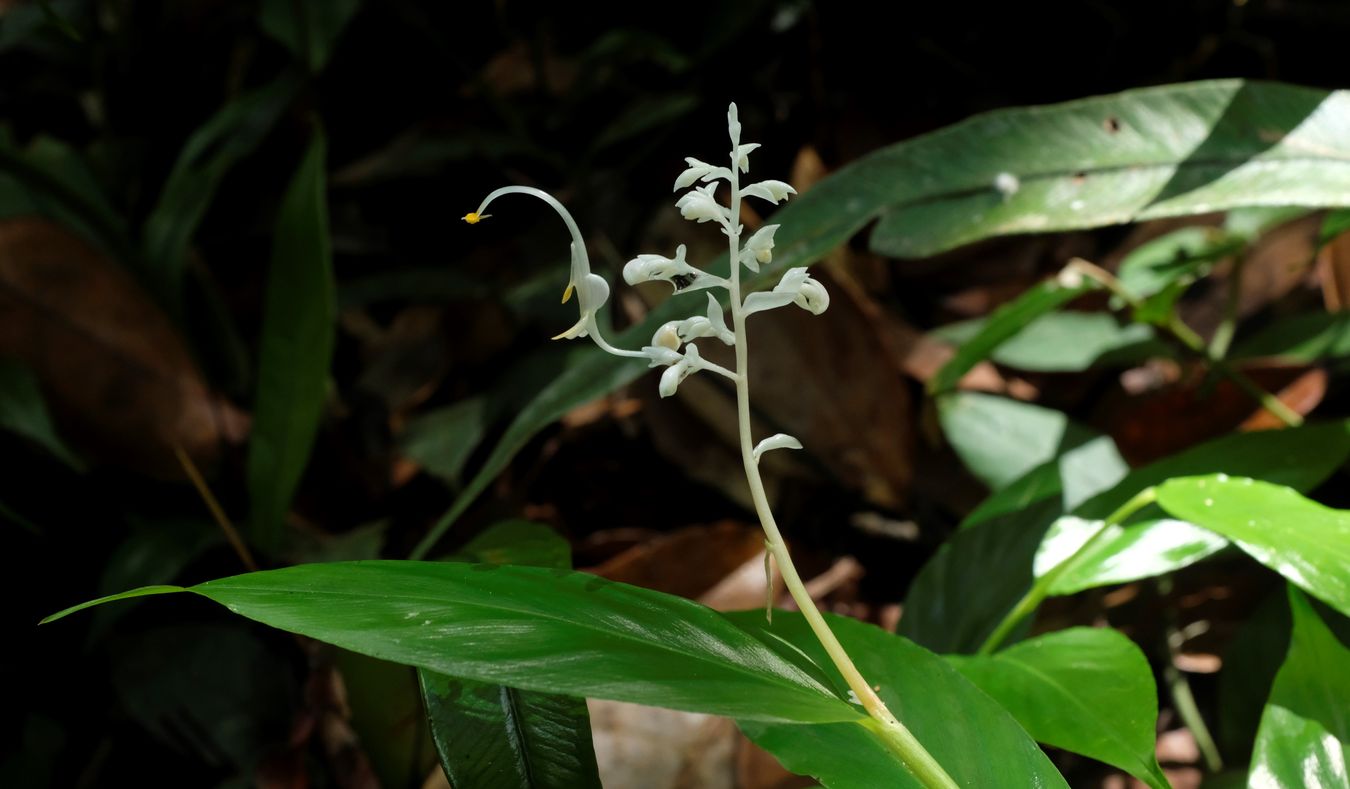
column 885, row 725
column 1041, row 588
column 1194, row 342
column 1223, row 335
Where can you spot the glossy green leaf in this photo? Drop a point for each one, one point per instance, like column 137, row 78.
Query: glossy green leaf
column 1001, row 439
column 1073, row 476
column 976, row 577
column 1302, row 540
column 1180, row 255
column 210, row 153
column 496, row 737
column 1168, row 151
column 24, row 411
column 1086, row 690
column 1142, row 549
column 299, row 325
column 1151, row 544
column 1300, row 339
column 1304, row 739
column 1005, row 322
column 308, row 28
column 532, row 628
column 975, row 740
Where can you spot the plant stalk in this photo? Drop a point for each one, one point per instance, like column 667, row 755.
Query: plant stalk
column 885, row 725
column 1041, row 588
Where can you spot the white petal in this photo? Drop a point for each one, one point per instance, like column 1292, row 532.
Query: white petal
column 776, row 441
column 659, row 355
column 812, row 297
column 700, row 206
column 670, row 381
column 773, row 191
column 667, row 336
column 766, row 300
column 743, row 155
column 696, row 170
column 718, row 322
column 759, row 248
column 592, row 292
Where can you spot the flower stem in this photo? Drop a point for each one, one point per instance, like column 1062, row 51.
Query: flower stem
column 1041, row 588
column 885, row 725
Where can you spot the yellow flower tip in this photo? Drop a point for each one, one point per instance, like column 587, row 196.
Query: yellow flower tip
column 473, row 217
column 567, row 294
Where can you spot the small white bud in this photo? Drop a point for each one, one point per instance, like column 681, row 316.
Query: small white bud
column 1069, row 277
column 775, row 441
column 1007, row 184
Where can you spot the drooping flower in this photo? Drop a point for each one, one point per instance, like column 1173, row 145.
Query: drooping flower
column 796, row 287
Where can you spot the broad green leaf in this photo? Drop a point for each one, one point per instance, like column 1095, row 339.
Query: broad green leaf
column 24, row 411
column 1169, row 151
column 1151, row 544
column 1000, row 439
column 1141, row 549
column 533, row 628
column 1252, row 223
column 496, row 737
column 1307, row 543
column 385, row 700
column 1005, row 322
column 1300, row 339
column 442, row 440
column 308, row 28
column 1304, row 739
column 297, row 344
column 1086, row 690
column 210, row 153
column 974, row 739
column 1181, row 255
column 1074, row 476
column 976, row 577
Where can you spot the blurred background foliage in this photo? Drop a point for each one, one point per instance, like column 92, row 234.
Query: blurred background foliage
column 228, row 234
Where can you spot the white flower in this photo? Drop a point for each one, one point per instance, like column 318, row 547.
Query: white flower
column 698, row 170
column 776, row 441
column 743, row 155
column 773, row 191
column 714, row 325
column 699, row 205
column 592, row 291
column 677, row 372
column 758, row 249
column 797, row 287
column 668, row 336
column 680, row 275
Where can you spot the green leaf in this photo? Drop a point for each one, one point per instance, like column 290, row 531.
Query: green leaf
column 1179, row 256
column 974, row 739
column 1001, row 326
column 1151, row 544
column 1334, row 224
column 1250, row 662
column 1307, row 543
column 442, row 440
column 494, row 736
column 1061, row 342
column 1174, row 150
column 1304, row 739
column 24, row 411
column 299, row 316
column 308, row 28
column 1252, row 223
column 52, row 179
column 1000, row 439
column 1086, row 690
column 977, row 576
column 1073, row 476
column 233, row 133
column 532, row 628
column 1300, row 339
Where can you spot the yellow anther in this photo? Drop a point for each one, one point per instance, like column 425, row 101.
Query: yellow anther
column 474, row 218
column 567, row 294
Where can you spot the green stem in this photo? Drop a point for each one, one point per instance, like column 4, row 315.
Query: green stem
column 1192, row 341
column 1189, row 712
column 881, row 722
column 1041, row 588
